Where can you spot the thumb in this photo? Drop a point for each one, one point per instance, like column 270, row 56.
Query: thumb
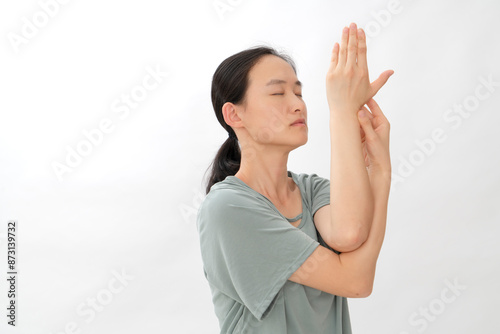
column 380, row 81
column 366, row 123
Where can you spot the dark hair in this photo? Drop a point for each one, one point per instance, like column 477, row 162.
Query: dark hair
column 229, row 84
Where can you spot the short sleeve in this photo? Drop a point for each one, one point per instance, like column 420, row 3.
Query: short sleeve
column 248, row 250
column 320, row 192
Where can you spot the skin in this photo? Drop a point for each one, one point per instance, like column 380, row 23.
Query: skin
column 346, row 225
column 349, row 89
column 352, row 273
column 263, row 126
column 263, row 121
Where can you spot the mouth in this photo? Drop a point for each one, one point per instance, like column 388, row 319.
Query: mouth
column 299, row 122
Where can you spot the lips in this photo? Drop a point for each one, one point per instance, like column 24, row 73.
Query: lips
column 299, row 121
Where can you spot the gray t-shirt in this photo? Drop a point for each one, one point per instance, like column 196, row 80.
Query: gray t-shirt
column 249, row 250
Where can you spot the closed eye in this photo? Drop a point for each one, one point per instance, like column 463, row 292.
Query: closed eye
column 283, row 94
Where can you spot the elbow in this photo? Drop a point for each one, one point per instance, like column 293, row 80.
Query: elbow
column 366, row 289
column 362, row 290
column 349, row 240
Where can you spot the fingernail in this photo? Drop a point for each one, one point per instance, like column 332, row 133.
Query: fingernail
column 362, row 113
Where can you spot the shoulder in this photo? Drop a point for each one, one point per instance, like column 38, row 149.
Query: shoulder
column 312, row 183
column 230, row 210
column 230, row 192
column 226, row 198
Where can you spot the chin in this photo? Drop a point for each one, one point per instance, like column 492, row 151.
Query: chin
column 298, row 141
column 285, row 138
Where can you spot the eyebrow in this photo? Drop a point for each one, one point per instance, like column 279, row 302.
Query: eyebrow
column 279, row 82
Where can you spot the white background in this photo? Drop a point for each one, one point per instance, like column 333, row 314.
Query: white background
column 129, row 205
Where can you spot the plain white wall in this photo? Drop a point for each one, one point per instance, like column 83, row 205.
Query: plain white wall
column 128, row 207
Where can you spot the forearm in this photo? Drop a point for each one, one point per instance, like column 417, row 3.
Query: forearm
column 350, row 188
column 360, row 264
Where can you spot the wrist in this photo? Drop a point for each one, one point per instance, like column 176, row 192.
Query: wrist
column 344, row 115
column 380, row 176
column 344, row 109
column 382, row 170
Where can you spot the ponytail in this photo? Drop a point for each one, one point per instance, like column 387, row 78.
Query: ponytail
column 226, row 162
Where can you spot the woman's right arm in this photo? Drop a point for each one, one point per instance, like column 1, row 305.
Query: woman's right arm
column 348, row 89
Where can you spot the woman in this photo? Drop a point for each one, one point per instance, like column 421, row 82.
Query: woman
column 277, row 256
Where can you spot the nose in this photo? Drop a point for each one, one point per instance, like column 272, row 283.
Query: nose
column 300, row 105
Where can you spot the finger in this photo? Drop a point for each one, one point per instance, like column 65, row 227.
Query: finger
column 375, row 109
column 370, row 116
column 362, row 133
column 352, row 46
column 368, row 112
column 343, row 46
column 362, row 62
column 335, row 55
column 381, row 80
column 366, row 124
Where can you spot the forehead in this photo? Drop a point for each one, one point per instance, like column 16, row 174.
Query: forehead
column 271, row 67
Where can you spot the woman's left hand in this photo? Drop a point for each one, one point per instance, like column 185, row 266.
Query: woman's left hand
column 374, row 129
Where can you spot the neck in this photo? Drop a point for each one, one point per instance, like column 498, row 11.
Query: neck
column 265, row 171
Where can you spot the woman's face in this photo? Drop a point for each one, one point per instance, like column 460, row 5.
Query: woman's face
column 273, row 103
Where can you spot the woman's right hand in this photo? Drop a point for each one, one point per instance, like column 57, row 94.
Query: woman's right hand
column 375, row 138
column 347, row 82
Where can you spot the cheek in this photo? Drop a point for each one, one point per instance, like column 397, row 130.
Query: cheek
column 277, row 120
column 269, row 120
column 277, row 123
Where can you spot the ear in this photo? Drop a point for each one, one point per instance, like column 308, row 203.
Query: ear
column 230, row 113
